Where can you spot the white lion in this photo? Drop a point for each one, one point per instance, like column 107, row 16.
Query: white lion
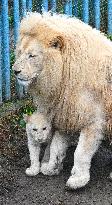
column 39, row 130
column 68, row 67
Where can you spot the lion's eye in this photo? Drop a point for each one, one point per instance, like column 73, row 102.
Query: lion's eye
column 44, row 128
column 35, row 130
column 31, row 56
column 55, row 44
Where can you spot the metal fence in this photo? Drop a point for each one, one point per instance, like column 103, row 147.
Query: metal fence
column 16, row 9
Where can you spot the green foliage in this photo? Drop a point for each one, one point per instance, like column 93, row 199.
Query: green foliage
column 22, row 123
column 110, row 37
column 60, row 7
column 11, row 20
column 27, row 109
column 12, row 58
column 17, row 120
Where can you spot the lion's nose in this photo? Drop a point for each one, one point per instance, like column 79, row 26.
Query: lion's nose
column 16, row 72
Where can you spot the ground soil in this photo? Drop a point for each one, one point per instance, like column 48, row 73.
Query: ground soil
column 19, row 189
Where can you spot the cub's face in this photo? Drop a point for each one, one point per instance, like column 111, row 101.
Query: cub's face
column 38, row 128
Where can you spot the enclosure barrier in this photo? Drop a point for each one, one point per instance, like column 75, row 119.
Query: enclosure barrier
column 16, row 9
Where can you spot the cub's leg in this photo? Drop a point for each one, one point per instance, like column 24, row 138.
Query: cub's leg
column 58, row 149
column 46, row 153
column 89, row 140
column 34, row 151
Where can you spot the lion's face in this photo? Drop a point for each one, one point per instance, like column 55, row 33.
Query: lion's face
column 38, row 53
column 29, row 60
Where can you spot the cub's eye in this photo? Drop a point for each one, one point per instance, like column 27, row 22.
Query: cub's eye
column 35, row 130
column 31, row 56
column 44, row 128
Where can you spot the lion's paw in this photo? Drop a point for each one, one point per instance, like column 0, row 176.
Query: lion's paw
column 32, row 171
column 79, row 181
column 48, row 169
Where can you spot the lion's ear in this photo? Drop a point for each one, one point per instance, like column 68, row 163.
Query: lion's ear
column 57, row 43
column 26, row 118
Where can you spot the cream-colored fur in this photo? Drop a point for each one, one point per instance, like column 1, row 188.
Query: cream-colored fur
column 39, row 131
column 68, row 67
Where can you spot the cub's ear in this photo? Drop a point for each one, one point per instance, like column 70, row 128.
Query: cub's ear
column 26, row 118
column 57, row 43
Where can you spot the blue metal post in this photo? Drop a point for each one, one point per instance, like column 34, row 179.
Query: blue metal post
column 76, row 8
column 23, row 7
column 16, row 34
column 67, row 7
column 45, row 5
column 29, row 5
column 16, row 20
column 97, row 13
column 110, row 16
column 0, row 61
column 53, row 2
column 86, row 11
column 6, row 57
column 70, row 8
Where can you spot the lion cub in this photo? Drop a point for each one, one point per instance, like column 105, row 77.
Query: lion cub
column 39, row 131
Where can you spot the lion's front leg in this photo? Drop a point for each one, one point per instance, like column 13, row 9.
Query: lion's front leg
column 89, row 141
column 34, row 151
column 58, row 149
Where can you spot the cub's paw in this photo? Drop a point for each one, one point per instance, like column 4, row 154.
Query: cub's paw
column 49, row 169
column 32, row 171
column 77, row 181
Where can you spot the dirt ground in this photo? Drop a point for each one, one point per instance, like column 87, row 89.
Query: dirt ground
column 19, row 189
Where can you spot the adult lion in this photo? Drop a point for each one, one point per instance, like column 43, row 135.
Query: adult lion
column 68, row 67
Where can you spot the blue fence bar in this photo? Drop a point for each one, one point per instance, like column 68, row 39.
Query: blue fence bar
column 53, row 3
column 29, row 5
column 67, row 7
column 86, row 11
column 75, row 8
column 23, row 7
column 6, row 58
column 70, row 8
column 0, row 60
column 110, row 16
column 16, row 20
column 19, row 88
column 97, row 13
column 45, row 5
